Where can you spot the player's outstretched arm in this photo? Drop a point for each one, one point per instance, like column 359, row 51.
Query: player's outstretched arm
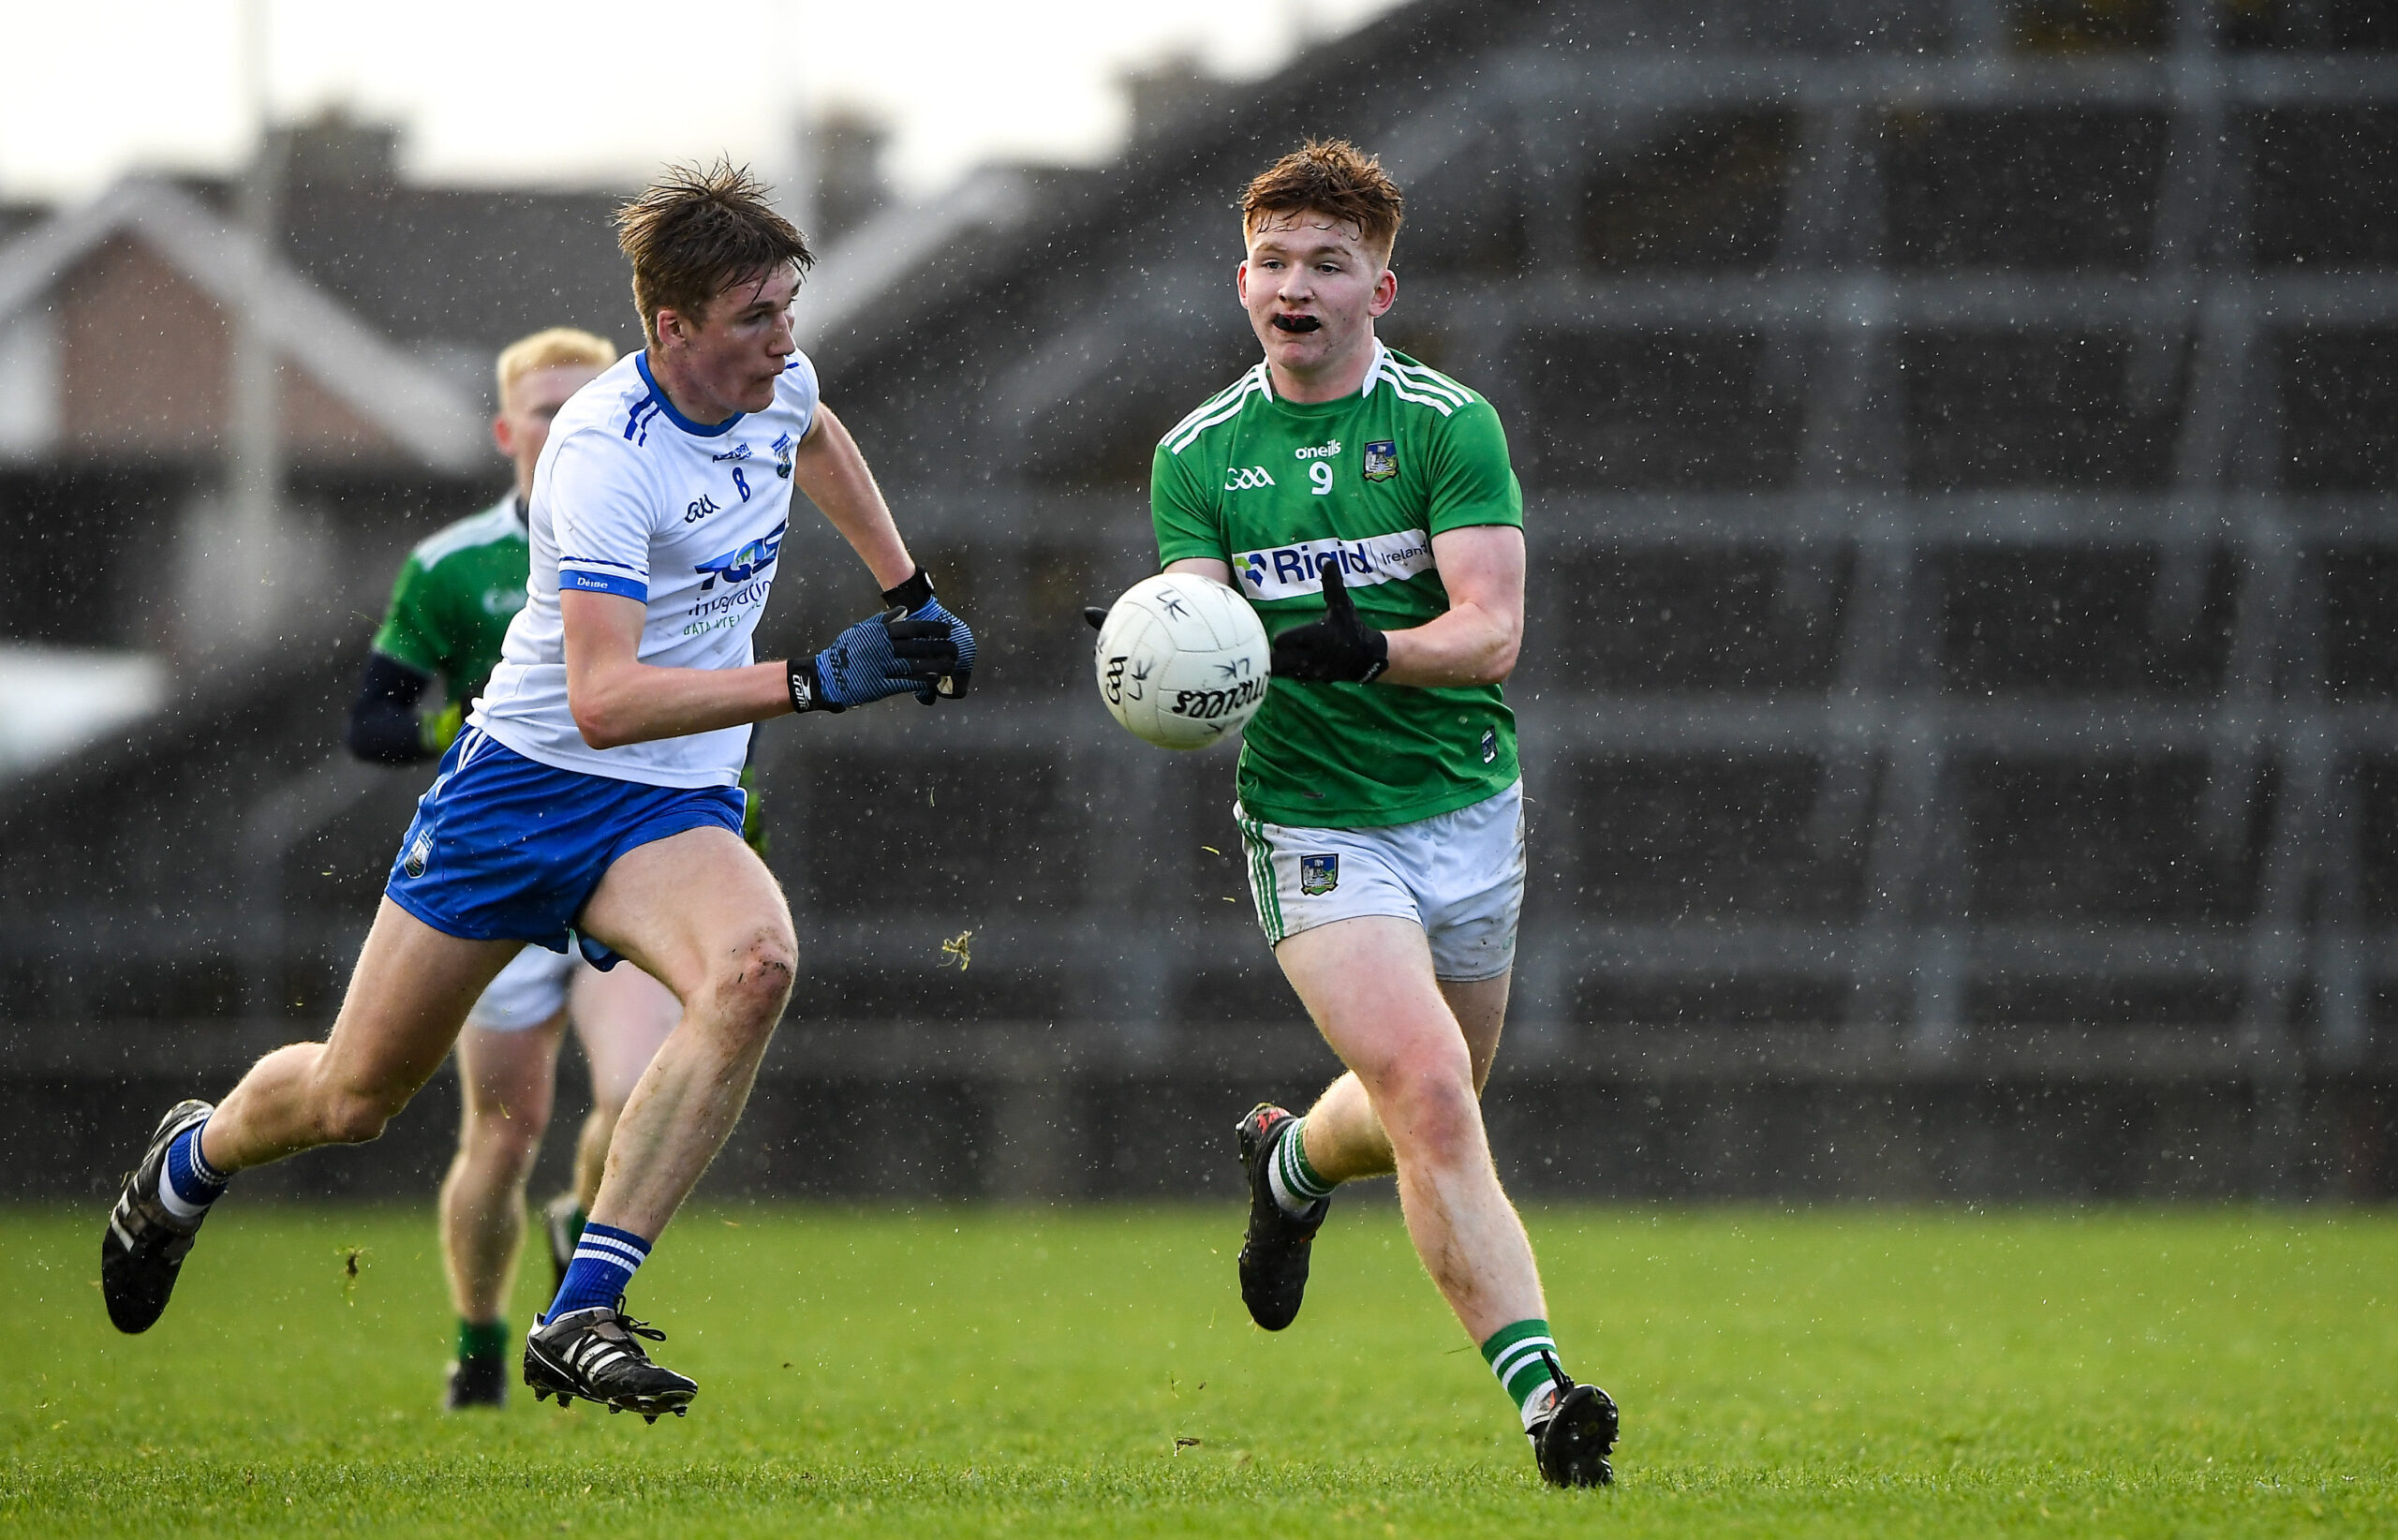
column 916, row 648
column 617, row 699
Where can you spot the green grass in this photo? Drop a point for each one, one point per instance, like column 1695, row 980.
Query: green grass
column 2132, row 1372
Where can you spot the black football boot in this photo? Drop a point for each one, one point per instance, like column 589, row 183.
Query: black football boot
column 1274, row 1255
column 144, row 1245
column 1571, row 1444
column 480, row 1381
column 591, row 1354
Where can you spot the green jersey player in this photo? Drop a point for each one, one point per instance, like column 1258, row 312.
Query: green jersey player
column 1364, row 504
column 450, row 611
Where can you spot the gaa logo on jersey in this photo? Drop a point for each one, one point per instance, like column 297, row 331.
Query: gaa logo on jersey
column 420, row 852
column 1382, row 460
column 740, row 566
column 1319, row 874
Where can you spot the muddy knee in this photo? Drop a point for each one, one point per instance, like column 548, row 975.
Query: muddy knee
column 754, row 984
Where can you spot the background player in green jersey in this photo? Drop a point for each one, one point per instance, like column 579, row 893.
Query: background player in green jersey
column 1364, row 504
column 450, row 610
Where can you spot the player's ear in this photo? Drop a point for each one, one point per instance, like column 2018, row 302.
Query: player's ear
column 503, row 434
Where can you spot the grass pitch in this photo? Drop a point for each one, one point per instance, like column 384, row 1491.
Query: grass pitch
column 2132, row 1372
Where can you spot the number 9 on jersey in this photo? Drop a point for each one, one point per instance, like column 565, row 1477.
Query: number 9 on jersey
column 1181, row 660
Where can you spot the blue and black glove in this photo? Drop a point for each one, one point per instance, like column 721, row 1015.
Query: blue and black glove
column 915, row 647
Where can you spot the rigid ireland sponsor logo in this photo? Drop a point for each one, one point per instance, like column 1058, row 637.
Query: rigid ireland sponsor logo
column 1289, row 572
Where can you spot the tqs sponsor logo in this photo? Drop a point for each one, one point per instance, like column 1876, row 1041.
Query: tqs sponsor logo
column 744, row 562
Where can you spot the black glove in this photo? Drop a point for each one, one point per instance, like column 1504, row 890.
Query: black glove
column 1339, row 648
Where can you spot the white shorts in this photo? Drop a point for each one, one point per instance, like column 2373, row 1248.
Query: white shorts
column 528, row 991
column 1459, row 875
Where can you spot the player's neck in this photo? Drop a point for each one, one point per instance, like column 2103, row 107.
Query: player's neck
column 1335, row 379
column 683, row 394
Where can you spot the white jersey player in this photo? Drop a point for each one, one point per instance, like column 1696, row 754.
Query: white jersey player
column 593, row 801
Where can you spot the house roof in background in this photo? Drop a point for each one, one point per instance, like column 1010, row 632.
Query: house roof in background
column 428, row 415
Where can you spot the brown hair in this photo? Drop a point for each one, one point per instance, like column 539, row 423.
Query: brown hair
column 1328, row 176
column 697, row 228
column 559, row 345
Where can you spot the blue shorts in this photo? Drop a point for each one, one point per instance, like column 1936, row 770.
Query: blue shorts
column 506, row 848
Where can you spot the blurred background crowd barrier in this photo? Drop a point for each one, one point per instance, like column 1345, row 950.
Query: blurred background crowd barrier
column 1960, row 697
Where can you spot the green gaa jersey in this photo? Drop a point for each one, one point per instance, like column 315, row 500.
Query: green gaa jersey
column 455, row 596
column 1275, row 488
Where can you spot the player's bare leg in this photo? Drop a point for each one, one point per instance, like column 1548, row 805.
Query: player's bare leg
column 1345, row 1141
column 703, row 916
column 406, row 999
column 411, row 991
column 622, row 1018
column 506, row 1080
column 1419, row 1052
column 699, row 912
column 1368, row 983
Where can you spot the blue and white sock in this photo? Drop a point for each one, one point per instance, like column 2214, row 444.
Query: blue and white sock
column 605, row 1260
column 1295, row 1185
column 188, row 1184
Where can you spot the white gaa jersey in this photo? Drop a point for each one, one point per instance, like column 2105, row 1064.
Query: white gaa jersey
column 630, row 498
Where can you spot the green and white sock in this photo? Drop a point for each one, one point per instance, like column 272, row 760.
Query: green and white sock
column 1519, row 1357
column 1297, row 1186
column 482, row 1338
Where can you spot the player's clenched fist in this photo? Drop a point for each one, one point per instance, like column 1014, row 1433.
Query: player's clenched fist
column 917, row 647
column 1339, row 648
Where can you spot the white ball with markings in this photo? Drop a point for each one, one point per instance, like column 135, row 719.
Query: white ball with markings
column 1182, row 661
